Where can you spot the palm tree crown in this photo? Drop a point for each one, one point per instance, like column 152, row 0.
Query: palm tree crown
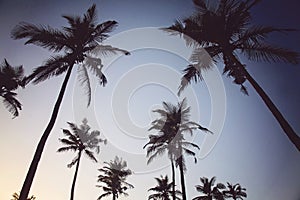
column 235, row 191
column 222, row 32
column 113, row 178
column 209, row 189
column 81, row 140
column 11, row 78
column 80, row 42
column 163, row 190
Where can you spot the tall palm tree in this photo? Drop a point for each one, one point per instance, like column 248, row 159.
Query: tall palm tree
column 209, row 189
column 80, row 43
column 163, row 190
column 16, row 197
column 11, row 78
column 173, row 123
column 81, row 140
column 235, row 191
column 157, row 146
column 225, row 31
column 113, row 178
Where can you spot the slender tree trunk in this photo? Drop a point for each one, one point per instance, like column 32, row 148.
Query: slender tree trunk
column 75, row 176
column 114, row 196
column 173, row 179
column 291, row 134
column 39, row 150
column 182, row 179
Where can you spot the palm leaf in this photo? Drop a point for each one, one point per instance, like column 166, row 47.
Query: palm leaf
column 83, row 78
column 11, row 103
column 191, row 73
column 90, row 155
column 95, row 66
column 68, row 148
column 43, row 36
column 52, row 67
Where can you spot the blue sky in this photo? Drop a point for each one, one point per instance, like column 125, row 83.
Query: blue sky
column 251, row 150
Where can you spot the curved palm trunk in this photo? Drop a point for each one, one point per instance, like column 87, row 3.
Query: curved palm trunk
column 75, row 176
column 182, row 178
column 39, row 150
column 173, row 179
column 291, row 134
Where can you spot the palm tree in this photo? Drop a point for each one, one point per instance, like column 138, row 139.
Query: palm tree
column 224, row 31
column 235, row 191
column 171, row 126
column 163, row 191
column 157, row 146
column 113, row 177
column 16, row 197
column 11, row 78
column 81, row 140
column 209, row 189
column 80, row 42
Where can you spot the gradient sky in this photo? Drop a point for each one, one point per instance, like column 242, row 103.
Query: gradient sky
column 252, row 149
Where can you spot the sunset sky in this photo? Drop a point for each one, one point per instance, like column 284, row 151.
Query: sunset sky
column 251, row 149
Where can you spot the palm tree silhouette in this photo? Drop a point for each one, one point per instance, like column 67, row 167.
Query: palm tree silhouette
column 80, row 42
column 163, row 190
column 157, row 146
column 171, row 126
column 220, row 34
column 113, row 176
column 235, row 191
column 16, row 197
column 209, row 189
column 81, row 140
column 11, row 78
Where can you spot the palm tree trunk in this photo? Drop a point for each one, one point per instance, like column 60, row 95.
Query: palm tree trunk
column 39, row 150
column 173, row 179
column 182, row 178
column 75, row 176
column 291, row 134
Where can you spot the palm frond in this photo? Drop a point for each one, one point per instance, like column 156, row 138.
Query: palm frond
column 95, row 66
column 68, row 148
column 90, row 155
column 11, row 103
column 52, row 67
column 105, row 50
column 68, row 142
column 74, row 161
column 104, row 195
column 83, row 78
column 191, row 73
column 268, row 53
column 43, row 36
column 257, row 34
column 102, row 30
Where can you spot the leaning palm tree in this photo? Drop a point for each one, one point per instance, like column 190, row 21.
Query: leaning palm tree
column 221, row 33
column 113, row 178
column 173, row 123
column 209, row 189
column 81, row 140
column 80, row 42
column 16, row 197
column 163, row 190
column 235, row 191
column 11, row 78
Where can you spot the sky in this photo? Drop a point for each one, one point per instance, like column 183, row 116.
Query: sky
column 251, row 149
